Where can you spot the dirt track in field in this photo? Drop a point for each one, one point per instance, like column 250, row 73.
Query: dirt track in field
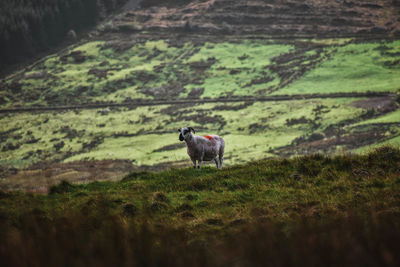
column 157, row 102
column 40, row 177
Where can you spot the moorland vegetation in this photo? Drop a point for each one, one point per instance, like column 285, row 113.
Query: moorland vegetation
column 310, row 210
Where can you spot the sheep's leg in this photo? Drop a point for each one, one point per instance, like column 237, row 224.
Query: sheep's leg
column 194, row 163
column 216, row 162
column 221, row 156
column 201, row 159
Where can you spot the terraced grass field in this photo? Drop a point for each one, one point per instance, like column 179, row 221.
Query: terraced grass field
column 120, row 71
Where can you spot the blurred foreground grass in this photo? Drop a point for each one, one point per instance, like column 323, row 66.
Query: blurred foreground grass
column 313, row 210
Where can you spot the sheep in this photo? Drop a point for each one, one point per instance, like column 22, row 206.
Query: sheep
column 203, row 148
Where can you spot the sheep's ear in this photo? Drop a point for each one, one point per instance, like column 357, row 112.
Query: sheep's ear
column 179, row 130
column 190, row 128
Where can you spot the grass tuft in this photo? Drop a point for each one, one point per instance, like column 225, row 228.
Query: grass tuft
column 63, row 187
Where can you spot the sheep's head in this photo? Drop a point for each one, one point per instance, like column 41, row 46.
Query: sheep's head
column 185, row 133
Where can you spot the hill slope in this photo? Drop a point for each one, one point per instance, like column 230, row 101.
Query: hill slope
column 343, row 77
column 314, row 210
column 287, row 18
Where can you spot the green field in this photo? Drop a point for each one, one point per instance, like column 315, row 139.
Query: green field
column 353, row 68
column 135, row 134
column 110, row 71
column 118, row 72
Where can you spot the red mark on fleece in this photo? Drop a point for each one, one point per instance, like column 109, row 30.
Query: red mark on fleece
column 209, row 137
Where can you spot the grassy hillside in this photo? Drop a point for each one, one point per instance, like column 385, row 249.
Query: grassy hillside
column 117, row 71
column 336, row 63
column 123, row 71
column 145, row 132
column 316, row 210
column 353, row 68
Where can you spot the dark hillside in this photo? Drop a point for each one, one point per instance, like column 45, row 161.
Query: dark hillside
column 31, row 26
column 285, row 18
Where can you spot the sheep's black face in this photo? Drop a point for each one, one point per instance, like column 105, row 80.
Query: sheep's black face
column 184, row 132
